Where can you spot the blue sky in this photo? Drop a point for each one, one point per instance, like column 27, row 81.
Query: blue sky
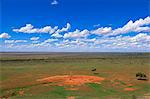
column 75, row 25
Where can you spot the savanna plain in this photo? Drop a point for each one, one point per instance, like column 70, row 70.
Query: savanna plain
column 74, row 75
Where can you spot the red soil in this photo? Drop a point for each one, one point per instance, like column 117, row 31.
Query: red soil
column 71, row 97
column 21, row 92
column 129, row 89
column 72, row 79
column 130, row 84
column 116, row 83
column 71, row 88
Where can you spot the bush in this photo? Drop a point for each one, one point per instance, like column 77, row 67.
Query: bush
column 141, row 76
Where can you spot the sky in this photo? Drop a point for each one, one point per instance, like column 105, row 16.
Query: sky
column 75, row 25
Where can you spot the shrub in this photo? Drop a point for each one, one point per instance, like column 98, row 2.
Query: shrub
column 141, row 76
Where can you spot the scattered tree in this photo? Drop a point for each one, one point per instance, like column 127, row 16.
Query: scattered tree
column 141, row 76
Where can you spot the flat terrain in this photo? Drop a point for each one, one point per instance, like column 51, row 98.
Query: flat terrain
column 74, row 75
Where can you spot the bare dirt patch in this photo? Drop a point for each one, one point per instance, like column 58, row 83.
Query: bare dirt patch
column 130, row 89
column 72, row 79
column 129, row 84
column 71, row 97
column 21, row 92
column 75, row 88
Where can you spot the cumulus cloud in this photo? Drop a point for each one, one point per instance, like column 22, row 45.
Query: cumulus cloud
column 143, row 29
column 30, row 29
column 70, row 43
column 139, row 41
column 64, row 29
column 9, row 41
column 57, row 35
column 34, row 38
column 5, row 35
column 47, row 29
column 50, row 40
column 35, row 41
column 141, row 37
column 77, row 34
column 55, row 2
column 15, row 41
column 106, row 38
column 88, row 40
column 137, row 26
column 102, row 30
column 46, row 43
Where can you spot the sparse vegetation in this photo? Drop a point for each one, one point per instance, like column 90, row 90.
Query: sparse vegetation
column 22, row 74
column 141, row 76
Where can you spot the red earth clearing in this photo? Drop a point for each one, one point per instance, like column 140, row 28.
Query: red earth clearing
column 129, row 89
column 71, row 88
column 71, row 97
column 21, row 92
column 72, row 79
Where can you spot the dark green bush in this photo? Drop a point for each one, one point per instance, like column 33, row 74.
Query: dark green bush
column 141, row 76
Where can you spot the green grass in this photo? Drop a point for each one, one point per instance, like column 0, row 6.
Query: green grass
column 100, row 90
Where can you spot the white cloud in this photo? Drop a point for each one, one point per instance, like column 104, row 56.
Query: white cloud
column 15, row 41
column 77, row 34
column 143, row 29
column 102, row 30
column 141, row 37
column 57, row 35
column 70, row 44
column 30, row 29
column 9, row 41
column 35, row 41
column 46, row 43
column 55, row 2
column 137, row 26
column 20, row 41
column 5, row 35
column 89, row 40
column 34, row 38
column 47, row 29
column 140, row 41
column 64, row 29
column 82, row 39
column 50, row 40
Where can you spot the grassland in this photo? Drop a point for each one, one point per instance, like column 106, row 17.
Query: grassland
column 20, row 71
